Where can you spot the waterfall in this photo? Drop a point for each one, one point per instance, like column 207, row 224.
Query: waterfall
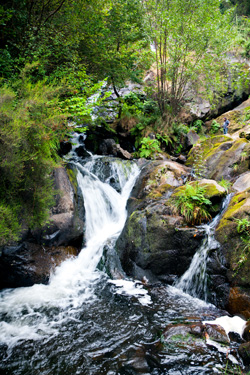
column 194, row 280
column 36, row 311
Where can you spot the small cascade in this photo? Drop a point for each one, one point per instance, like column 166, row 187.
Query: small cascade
column 194, row 280
column 73, row 282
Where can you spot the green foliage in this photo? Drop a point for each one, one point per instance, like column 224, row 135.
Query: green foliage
column 215, row 126
column 243, row 228
column 148, row 148
column 9, row 225
column 198, row 125
column 191, row 203
column 31, row 126
column 225, row 184
column 145, row 112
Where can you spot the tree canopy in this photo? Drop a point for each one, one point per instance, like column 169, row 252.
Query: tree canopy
column 54, row 55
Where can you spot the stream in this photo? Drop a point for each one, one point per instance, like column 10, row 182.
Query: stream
column 85, row 323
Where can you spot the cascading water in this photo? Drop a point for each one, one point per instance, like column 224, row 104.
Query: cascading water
column 194, row 280
column 73, row 280
column 83, row 323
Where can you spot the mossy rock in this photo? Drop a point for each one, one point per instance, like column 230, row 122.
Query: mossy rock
column 234, row 248
column 157, row 181
column 156, row 242
column 235, row 119
column 220, row 157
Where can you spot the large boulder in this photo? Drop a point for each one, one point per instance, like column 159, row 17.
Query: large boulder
column 66, row 223
column 236, row 252
column 39, row 251
column 220, row 157
column 154, row 243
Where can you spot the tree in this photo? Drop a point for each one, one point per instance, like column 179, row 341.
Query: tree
column 189, row 38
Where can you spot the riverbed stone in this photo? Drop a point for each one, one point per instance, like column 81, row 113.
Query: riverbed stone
column 244, row 352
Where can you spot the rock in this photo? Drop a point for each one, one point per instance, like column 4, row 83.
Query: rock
column 239, row 304
column 65, row 148
column 233, row 248
column 66, row 225
column 109, row 147
column 244, row 352
column 184, row 332
column 28, row 264
column 219, row 157
column 242, row 183
column 191, row 138
column 32, row 260
column 246, row 333
column 81, row 151
column 217, row 333
column 213, row 191
column 153, row 242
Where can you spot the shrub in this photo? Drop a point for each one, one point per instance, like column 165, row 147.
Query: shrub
column 191, row 203
column 149, row 147
column 215, row 126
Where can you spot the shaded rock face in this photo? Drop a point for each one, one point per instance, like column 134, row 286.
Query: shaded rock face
column 236, row 254
column 154, row 241
column 66, row 224
column 32, row 260
column 220, row 157
column 29, row 264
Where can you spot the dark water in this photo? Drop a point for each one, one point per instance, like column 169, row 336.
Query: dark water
column 115, row 334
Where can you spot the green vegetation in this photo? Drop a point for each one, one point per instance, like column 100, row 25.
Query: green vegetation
column 243, row 228
column 149, row 147
column 225, row 184
column 55, row 55
column 191, row 203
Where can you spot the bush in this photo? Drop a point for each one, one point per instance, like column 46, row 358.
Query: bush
column 149, row 147
column 31, row 126
column 215, row 126
column 191, row 203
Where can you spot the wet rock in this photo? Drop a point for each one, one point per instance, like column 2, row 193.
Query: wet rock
column 65, row 225
column 235, row 337
column 65, row 148
column 244, row 352
column 29, row 264
column 246, row 333
column 239, row 303
column 153, row 241
column 109, row 147
column 34, row 257
column 184, row 331
column 81, row 151
column 233, row 248
column 217, row 333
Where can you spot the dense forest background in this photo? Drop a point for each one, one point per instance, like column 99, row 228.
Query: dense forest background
column 55, row 54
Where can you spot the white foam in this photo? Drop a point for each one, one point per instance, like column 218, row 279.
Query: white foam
column 229, row 324
column 132, row 288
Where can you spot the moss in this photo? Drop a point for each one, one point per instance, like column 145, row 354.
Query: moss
column 72, row 173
